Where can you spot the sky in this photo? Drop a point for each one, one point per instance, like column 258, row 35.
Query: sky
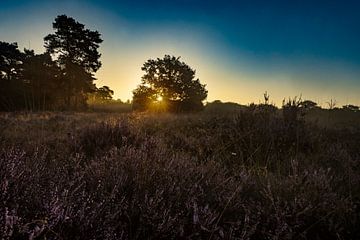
column 240, row 49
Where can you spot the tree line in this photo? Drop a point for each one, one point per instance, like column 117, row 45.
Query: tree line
column 62, row 78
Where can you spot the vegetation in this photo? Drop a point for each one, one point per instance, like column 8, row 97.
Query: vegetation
column 77, row 57
column 351, row 107
column 228, row 172
column 250, row 174
column 170, row 82
column 112, row 106
column 61, row 78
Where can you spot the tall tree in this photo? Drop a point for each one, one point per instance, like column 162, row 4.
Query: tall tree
column 76, row 52
column 172, row 81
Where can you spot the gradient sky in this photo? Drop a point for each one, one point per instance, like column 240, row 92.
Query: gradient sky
column 240, row 49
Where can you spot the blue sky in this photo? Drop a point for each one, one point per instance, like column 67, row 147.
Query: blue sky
column 239, row 48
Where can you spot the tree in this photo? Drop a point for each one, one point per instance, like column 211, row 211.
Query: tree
column 308, row 104
column 332, row 104
column 10, row 60
column 143, row 97
column 105, row 93
column 41, row 81
column 11, row 86
column 28, row 81
column 171, row 81
column 351, row 107
column 102, row 94
column 76, row 50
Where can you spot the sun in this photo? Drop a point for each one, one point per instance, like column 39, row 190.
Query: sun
column 159, row 98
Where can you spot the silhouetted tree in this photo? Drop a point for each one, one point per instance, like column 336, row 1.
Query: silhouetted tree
column 102, row 94
column 11, row 85
column 10, row 60
column 308, row 104
column 42, row 81
column 332, row 104
column 27, row 81
column 351, row 107
column 143, row 96
column 171, row 80
column 76, row 52
column 105, row 93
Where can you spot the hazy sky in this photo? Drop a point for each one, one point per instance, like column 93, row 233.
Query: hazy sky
column 240, row 49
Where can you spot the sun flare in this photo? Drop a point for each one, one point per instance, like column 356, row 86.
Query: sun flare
column 159, row 98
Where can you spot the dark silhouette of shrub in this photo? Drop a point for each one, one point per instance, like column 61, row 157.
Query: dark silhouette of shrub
column 292, row 111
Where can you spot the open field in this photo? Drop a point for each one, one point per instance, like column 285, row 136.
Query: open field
column 245, row 174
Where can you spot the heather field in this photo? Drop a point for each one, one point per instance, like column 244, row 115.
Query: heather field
column 253, row 173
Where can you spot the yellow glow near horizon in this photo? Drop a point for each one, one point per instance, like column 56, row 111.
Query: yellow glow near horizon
column 236, row 76
column 159, row 98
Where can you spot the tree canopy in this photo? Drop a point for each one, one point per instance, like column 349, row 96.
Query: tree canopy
column 308, row 104
column 61, row 78
column 173, row 82
column 11, row 60
column 102, row 95
column 76, row 49
column 351, row 107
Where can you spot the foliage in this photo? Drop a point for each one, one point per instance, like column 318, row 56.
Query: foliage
column 172, row 80
column 101, row 95
column 351, row 107
column 41, row 81
column 10, row 60
column 308, row 104
column 143, row 97
column 227, row 107
column 11, row 86
column 30, row 81
column 113, row 106
column 76, row 49
column 292, row 110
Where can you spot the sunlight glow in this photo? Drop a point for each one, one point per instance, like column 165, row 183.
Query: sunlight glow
column 159, row 98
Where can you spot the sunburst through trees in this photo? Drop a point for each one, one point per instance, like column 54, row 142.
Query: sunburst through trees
column 171, row 82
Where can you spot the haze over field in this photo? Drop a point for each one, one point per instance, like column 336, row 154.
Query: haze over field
column 240, row 49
